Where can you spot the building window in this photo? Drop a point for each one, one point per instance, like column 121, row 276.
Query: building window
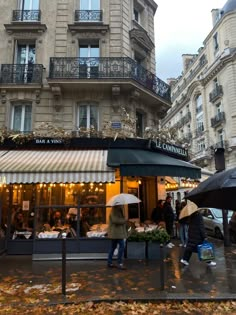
column 24, row 59
column 87, row 116
column 29, row 5
column 138, row 12
column 218, row 108
column 200, row 125
column 136, row 15
column 139, row 124
column 90, row 5
column 198, row 104
column 220, row 138
column 215, row 41
column 89, row 62
column 201, row 145
column 21, row 117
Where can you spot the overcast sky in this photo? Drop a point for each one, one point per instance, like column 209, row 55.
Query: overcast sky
column 180, row 28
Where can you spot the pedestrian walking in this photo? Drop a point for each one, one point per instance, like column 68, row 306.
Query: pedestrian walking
column 117, row 232
column 196, row 236
column 183, row 227
column 169, row 218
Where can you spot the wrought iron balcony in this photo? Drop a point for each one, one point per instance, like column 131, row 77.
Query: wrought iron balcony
column 21, row 73
column 216, row 93
column 88, row 16
column 219, row 118
column 107, row 68
column 26, row 15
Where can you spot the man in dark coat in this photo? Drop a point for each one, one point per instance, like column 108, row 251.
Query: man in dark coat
column 196, row 236
column 169, row 218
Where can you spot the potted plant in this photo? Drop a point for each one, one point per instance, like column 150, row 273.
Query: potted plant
column 155, row 239
column 136, row 245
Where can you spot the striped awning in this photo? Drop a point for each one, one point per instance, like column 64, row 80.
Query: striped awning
column 58, row 166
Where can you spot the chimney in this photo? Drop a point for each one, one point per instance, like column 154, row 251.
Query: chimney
column 215, row 14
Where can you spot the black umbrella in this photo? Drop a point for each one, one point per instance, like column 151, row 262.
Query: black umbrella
column 218, row 191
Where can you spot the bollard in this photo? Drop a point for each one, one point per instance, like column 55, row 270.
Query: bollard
column 63, row 270
column 162, row 271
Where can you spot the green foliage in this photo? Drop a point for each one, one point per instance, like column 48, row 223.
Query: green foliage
column 158, row 235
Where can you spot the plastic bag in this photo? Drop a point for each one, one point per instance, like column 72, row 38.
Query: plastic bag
column 206, row 251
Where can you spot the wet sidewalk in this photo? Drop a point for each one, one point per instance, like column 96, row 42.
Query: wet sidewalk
column 27, row 281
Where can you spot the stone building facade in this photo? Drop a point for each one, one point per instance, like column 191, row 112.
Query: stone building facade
column 204, row 95
column 79, row 65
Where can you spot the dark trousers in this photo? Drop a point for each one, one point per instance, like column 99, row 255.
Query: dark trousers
column 114, row 243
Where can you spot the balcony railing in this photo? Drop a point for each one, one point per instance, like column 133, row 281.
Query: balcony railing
column 220, row 117
column 21, row 73
column 216, row 93
column 107, row 68
column 26, row 15
column 88, row 16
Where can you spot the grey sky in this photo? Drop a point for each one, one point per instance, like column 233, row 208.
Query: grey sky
column 180, row 28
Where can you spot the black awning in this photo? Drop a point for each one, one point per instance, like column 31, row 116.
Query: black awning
column 149, row 163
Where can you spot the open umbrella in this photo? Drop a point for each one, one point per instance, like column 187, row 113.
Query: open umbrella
column 122, row 199
column 189, row 209
column 218, row 191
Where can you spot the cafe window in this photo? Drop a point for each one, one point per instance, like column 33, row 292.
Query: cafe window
column 77, row 209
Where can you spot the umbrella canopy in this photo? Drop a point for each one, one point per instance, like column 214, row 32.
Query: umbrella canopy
column 189, row 209
column 122, row 199
column 218, row 191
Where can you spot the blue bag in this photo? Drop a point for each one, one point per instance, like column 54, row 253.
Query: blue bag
column 206, row 251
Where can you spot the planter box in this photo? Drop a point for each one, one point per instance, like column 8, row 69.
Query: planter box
column 153, row 250
column 136, row 250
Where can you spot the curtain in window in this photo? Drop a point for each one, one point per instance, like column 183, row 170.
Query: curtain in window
column 93, row 117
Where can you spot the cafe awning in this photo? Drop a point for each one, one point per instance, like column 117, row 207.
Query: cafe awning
column 150, row 163
column 55, row 166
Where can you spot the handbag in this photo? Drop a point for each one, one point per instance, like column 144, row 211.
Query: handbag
column 206, row 251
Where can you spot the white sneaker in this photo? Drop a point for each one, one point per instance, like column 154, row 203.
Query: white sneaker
column 172, row 244
column 184, row 262
column 180, row 245
column 211, row 263
column 169, row 245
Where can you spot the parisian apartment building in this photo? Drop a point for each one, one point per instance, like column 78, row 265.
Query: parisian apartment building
column 80, row 65
column 203, row 112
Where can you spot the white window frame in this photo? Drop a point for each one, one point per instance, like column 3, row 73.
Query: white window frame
column 201, row 145
column 23, row 114
column 88, row 114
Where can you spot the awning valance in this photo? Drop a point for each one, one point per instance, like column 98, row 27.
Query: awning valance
column 58, row 166
column 149, row 163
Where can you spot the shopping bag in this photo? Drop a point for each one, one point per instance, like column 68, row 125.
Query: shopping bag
column 206, row 251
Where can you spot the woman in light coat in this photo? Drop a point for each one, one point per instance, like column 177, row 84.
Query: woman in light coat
column 117, row 232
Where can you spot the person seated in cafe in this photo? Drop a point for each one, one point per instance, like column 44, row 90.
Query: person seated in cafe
column 57, row 220
column 93, row 217
column 84, row 225
column 71, row 218
column 19, row 225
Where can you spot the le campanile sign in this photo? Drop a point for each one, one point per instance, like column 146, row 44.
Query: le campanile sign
column 168, row 147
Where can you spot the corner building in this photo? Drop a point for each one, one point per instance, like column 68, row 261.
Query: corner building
column 78, row 89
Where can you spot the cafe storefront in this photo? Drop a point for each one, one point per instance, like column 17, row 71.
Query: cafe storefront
column 49, row 189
